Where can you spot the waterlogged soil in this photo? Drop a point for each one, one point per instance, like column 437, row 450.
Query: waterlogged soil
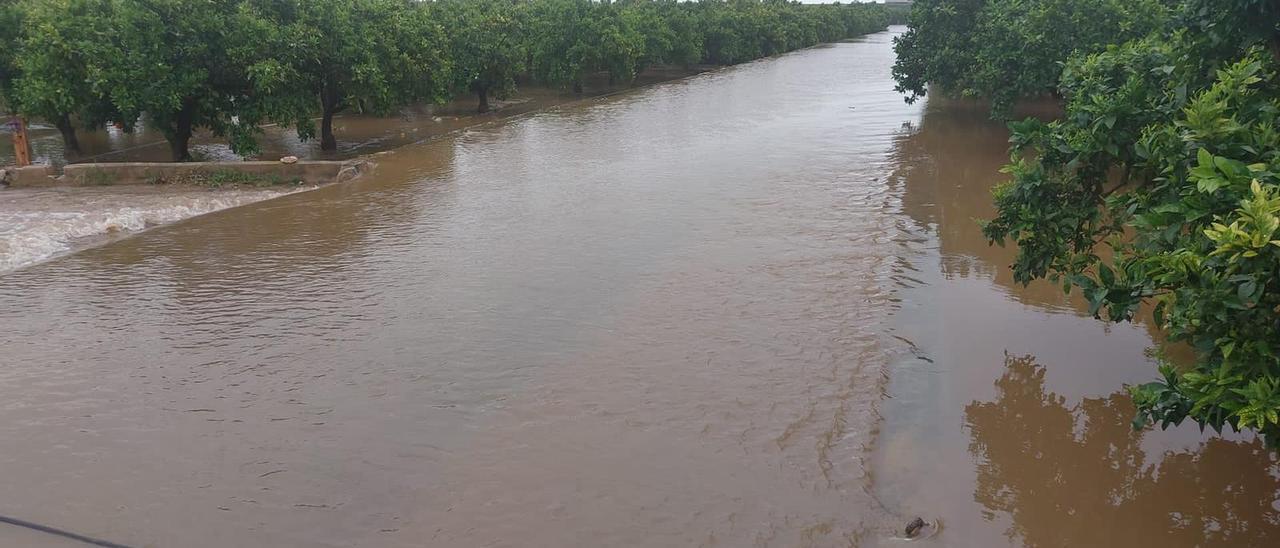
column 748, row 308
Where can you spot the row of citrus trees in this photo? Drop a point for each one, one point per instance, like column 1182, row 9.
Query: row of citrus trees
column 1168, row 156
column 231, row 66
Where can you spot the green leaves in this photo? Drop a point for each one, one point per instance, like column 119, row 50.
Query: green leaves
column 1177, row 174
column 58, row 62
column 1161, row 402
column 488, row 45
column 1214, row 172
column 1005, row 50
column 231, row 66
column 1218, row 271
column 569, row 39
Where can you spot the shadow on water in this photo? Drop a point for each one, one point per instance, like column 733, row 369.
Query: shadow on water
column 1038, row 457
column 993, row 445
column 945, row 169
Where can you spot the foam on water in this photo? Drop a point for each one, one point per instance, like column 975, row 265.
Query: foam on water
column 39, row 224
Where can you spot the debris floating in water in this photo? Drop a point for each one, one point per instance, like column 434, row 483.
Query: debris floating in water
column 914, row 527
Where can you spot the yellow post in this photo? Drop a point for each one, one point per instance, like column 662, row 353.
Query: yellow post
column 21, row 147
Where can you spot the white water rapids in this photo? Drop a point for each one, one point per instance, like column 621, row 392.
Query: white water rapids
column 41, row 223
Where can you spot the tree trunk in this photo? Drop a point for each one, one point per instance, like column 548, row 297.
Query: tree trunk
column 180, row 138
column 69, row 141
column 21, row 146
column 483, row 94
column 330, row 104
column 178, row 148
column 328, row 142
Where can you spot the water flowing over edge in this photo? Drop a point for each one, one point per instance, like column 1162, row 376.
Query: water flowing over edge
column 39, row 225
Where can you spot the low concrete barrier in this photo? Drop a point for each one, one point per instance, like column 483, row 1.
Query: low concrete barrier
column 313, row 172
column 27, row 176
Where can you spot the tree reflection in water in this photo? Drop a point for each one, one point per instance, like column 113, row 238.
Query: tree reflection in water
column 1078, row 476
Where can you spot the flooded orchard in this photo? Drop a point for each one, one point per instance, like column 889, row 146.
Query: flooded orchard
column 359, row 134
column 747, row 308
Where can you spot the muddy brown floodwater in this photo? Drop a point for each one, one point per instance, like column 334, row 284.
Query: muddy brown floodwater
column 39, row 223
column 664, row 318
column 1007, row 420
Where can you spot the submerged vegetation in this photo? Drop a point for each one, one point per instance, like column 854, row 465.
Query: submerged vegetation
column 1168, row 155
column 231, row 66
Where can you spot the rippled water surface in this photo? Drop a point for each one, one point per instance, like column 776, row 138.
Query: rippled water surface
column 647, row 320
column 39, row 223
column 663, row 318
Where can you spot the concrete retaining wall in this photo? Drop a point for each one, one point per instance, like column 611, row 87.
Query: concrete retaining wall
column 313, row 172
column 36, row 175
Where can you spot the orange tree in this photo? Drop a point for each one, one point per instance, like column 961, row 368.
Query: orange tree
column 1003, row 50
column 1169, row 154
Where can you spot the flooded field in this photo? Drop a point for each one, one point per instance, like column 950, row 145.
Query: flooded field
column 748, row 308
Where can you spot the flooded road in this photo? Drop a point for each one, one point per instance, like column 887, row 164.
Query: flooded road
column 663, row 318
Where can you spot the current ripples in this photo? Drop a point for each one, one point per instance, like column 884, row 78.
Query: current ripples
column 651, row 319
